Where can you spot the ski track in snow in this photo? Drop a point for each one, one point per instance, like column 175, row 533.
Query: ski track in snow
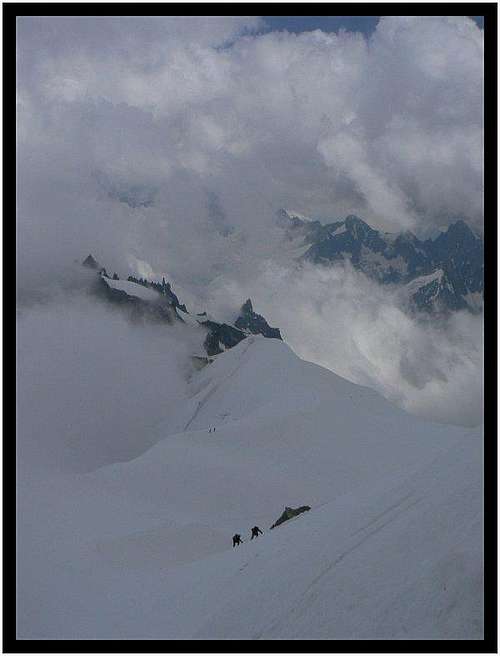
column 214, row 387
column 344, row 554
column 382, row 514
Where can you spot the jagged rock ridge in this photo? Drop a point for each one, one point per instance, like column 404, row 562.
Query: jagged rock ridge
column 222, row 336
column 155, row 301
column 255, row 323
column 455, row 258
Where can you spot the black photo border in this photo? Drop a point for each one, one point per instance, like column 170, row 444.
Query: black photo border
column 10, row 12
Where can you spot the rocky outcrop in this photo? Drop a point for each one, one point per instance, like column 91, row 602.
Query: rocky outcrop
column 90, row 263
column 138, row 309
column 392, row 258
column 255, row 323
column 288, row 513
column 160, row 303
column 222, row 336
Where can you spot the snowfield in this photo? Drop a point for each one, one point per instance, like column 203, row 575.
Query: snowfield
column 421, row 281
column 392, row 546
column 133, row 289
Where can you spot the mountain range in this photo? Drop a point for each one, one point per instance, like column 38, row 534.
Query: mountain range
column 437, row 275
column 156, row 301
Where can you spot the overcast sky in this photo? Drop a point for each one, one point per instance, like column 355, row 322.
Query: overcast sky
column 160, row 112
column 165, row 146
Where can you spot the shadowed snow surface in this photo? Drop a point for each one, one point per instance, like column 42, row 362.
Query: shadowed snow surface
column 392, row 547
column 133, row 289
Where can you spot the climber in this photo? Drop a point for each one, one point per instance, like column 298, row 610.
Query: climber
column 255, row 532
column 237, row 539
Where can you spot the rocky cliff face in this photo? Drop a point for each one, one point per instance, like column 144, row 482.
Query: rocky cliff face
column 222, row 336
column 156, row 301
column 255, row 323
column 456, row 257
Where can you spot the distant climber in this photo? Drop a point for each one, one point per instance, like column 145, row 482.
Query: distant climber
column 255, row 532
column 237, row 539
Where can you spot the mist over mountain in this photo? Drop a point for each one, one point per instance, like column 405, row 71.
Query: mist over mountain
column 173, row 161
column 219, row 138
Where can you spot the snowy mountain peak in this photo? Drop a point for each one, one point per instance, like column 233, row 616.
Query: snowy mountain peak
column 399, row 258
column 255, row 323
column 294, row 216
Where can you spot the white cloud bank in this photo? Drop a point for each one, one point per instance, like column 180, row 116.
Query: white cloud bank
column 92, row 387
column 343, row 321
column 168, row 144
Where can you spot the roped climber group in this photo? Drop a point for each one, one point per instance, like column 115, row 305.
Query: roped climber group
column 255, row 534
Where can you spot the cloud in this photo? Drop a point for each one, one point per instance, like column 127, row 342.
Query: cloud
column 339, row 319
column 389, row 127
column 166, row 144
column 92, row 387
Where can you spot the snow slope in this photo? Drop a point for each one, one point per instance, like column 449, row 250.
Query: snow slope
column 421, row 281
column 133, row 289
column 142, row 549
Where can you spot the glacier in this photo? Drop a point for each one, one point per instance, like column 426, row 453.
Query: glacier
column 141, row 549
